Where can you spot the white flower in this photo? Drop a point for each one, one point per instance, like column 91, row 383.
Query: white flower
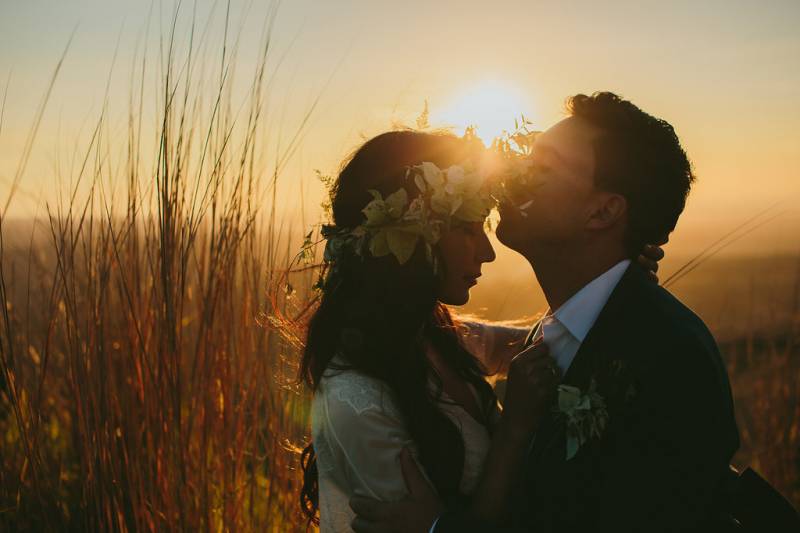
column 459, row 195
column 585, row 415
column 445, row 204
column 569, row 398
column 420, row 181
column 432, row 174
column 416, row 209
column 455, row 180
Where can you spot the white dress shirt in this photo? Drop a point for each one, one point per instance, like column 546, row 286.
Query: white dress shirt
column 565, row 330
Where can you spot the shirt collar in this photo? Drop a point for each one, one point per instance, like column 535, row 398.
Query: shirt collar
column 579, row 313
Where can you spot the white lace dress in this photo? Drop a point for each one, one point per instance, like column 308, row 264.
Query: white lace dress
column 358, row 433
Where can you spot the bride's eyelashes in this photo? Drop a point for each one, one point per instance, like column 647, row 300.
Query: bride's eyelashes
column 470, row 230
column 539, row 173
column 539, row 169
column 522, row 193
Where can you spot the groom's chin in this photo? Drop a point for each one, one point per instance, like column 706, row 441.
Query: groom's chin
column 500, row 232
column 511, row 237
column 504, row 234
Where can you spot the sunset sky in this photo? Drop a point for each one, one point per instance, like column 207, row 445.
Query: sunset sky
column 726, row 74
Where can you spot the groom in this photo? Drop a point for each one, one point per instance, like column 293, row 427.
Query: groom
column 606, row 180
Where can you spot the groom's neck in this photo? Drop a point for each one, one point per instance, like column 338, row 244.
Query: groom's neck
column 563, row 271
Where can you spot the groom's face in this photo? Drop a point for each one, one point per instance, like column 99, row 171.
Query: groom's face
column 559, row 193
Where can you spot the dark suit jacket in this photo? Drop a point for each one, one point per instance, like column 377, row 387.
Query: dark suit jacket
column 670, row 435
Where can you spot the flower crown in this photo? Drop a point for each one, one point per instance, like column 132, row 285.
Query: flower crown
column 393, row 225
column 459, row 194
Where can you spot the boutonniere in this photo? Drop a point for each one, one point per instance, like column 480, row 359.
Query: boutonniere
column 584, row 415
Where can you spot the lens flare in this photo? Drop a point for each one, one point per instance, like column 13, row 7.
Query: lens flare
column 491, row 106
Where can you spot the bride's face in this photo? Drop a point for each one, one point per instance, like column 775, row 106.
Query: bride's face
column 463, row 250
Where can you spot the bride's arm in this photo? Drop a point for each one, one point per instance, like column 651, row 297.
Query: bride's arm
column 496, row 343
column 366, row 434
column 530, row 392
column 493, row 343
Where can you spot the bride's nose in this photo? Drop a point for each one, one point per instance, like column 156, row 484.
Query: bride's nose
column 485, row 250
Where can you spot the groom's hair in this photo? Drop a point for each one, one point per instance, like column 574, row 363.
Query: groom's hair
column 638, row 156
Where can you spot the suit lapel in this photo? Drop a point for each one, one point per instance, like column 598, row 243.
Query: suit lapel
column 591, row 354
column 608, row 327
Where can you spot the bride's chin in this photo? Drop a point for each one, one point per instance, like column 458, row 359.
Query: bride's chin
column 453, row 299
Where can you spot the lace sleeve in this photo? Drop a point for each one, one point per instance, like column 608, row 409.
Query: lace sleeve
column 478, row 338
column 493, row 344
column 365, row 433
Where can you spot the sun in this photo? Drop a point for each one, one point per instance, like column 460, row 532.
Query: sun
column 491, row 106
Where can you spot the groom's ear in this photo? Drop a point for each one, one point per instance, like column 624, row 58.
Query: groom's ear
column 608, row 210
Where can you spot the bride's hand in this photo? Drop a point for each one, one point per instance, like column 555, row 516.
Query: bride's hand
column 533, row 378
column 651, row 255
column 530, row 391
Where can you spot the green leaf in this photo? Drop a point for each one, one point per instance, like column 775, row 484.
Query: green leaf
column 572, row 446
column 396, row 202
column 378, row 245
column 472, row 210
column 375, row 211
column 401, row 243
column 568, row 397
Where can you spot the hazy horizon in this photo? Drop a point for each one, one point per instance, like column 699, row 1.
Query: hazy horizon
column 725, row 74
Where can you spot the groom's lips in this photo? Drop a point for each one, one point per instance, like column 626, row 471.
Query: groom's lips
column 503, row 209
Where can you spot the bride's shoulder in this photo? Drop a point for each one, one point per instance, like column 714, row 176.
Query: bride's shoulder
column 351, row 390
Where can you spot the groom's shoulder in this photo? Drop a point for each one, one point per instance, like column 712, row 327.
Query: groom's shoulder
column 676, row 339
column 661, row 315
column 674, row 346
column 674, row 313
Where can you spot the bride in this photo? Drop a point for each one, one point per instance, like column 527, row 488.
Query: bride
column 389, row 365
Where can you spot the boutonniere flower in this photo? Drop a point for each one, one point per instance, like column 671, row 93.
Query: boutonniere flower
column 584, row 414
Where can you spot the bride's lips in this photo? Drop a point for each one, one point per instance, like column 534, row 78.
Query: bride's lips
column 472, row 280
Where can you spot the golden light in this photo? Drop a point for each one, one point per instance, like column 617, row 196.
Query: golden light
column 491, row 106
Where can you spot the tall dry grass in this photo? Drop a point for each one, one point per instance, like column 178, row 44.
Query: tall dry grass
column 139, row 392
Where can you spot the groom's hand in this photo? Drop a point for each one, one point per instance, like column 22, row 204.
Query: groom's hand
column 415, row 514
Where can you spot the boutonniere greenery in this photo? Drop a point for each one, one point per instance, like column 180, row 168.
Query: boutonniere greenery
column 584, row 415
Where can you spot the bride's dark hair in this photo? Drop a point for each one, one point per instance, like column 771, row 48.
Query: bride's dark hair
column 378, row 314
